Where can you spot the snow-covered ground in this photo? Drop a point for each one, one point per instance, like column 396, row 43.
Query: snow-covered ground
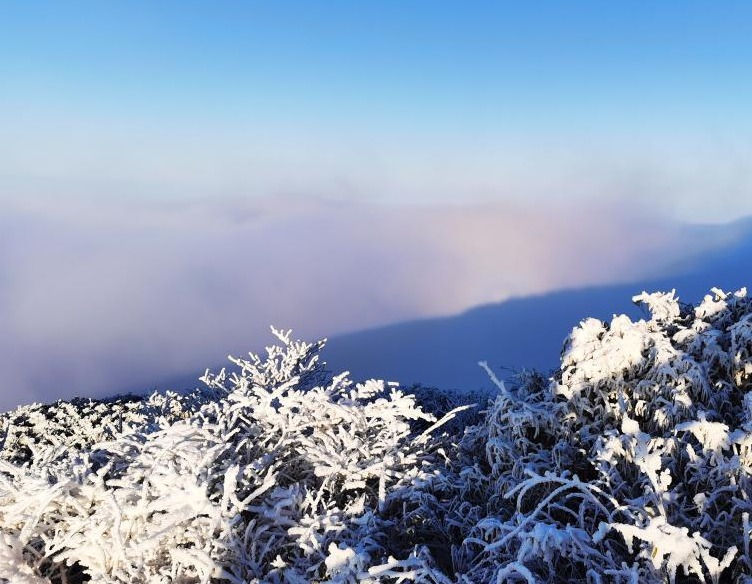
column 632, row 463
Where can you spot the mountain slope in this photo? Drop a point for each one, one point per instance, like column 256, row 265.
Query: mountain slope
column 525, row 333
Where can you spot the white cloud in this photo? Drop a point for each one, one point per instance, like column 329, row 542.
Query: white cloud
column 98, row 297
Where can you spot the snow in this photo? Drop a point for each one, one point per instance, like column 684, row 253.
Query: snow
column 632, row 463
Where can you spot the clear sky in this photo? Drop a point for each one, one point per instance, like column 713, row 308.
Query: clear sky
column 418, row 101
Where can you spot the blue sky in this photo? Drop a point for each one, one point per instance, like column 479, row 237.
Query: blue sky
column 419, row 101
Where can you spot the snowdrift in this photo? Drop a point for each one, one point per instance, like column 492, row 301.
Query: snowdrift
column 632, row 463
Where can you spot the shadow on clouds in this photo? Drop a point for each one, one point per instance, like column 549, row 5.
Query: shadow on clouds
column 101, row 298
column 525, row 333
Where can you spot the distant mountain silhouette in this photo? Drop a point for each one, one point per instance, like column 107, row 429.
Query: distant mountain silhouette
column 525, row 333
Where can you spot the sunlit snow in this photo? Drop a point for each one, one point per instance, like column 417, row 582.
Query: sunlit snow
column 631, row 464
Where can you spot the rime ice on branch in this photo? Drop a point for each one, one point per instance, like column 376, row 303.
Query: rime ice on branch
column 631, row 464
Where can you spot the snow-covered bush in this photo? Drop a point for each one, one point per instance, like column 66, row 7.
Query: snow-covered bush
column 630, row 464
column 80, row 423
column 288, row 475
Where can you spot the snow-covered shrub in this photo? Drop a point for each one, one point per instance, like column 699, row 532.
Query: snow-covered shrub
column 440, row 402
column 80, row 423
column 631, row 464
column 288, row 475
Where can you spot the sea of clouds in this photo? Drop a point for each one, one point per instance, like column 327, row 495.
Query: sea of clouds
column 101, row 296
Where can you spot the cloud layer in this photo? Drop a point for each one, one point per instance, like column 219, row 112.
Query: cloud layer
column 103, row 297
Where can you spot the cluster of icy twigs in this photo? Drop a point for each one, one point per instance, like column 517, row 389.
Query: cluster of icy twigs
column 631, row 464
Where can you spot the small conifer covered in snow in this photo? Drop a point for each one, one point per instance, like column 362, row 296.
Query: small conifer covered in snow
column 632, row 463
